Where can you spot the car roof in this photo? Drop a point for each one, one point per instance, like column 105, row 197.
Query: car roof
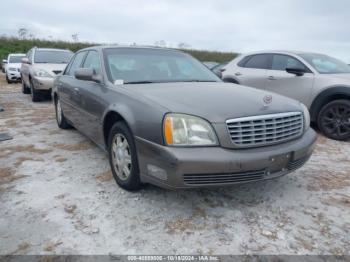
column 101, row 47
column 17, row 54
column 51, row 49
column 286, row 52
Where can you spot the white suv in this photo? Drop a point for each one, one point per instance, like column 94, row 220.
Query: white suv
column 13, row 67
column 319, row 81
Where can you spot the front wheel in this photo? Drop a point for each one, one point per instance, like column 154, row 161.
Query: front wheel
column 8, row 80
column 334, row 119
column 25, row 89
column 33, row 92
column 123, row 157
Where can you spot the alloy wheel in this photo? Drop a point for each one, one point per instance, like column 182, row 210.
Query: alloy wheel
column 336, row 120
column 121, row 156
column 59, row 111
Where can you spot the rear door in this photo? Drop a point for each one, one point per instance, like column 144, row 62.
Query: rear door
column 252, row 70
column 92, row 104
column 290, row 85
column 68, row 90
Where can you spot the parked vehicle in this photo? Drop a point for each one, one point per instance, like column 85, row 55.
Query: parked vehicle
column 3, row 65
column 39, row 68
column 217, row 70
column 320, row 82
column 210, row 64
column 166, row 119
column 13, row 67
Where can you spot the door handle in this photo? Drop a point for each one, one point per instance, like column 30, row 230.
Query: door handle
column 238, row 74
column 76, row 90
column 271, row 78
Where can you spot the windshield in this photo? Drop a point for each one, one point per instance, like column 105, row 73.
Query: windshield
column 52, row 57
column 325, row 64
column 142, row 65
column 16, row 59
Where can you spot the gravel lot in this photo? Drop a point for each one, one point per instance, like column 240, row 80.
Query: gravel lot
column 57, row 196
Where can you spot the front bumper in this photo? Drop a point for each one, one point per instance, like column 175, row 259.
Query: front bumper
column 43, row 83
column 13, row 75
column 175, row 167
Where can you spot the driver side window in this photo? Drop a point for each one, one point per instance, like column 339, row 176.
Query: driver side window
column 282, row 62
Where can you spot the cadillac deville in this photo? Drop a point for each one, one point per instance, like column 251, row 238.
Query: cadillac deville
column 166, row 119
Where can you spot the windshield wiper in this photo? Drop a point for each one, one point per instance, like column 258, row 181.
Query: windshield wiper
column 140, row 82
column 197, row 80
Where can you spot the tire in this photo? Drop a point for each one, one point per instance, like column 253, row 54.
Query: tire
column 8, row 80
column 334, row 120
column 25, row 89
column 33, row 92
column 60, row 118
column 126, row 155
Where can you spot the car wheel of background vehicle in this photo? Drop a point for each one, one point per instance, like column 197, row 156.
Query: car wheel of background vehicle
column 61, row 120
column 334, row 120
column 8, row 80
column 123, row 157
column 34, row 93
column 25, row 89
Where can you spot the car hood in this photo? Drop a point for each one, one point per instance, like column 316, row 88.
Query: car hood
column 50, row 68
column 216, row 102
column 14, row 65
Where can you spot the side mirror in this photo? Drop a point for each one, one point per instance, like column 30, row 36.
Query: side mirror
column 4, row 61
column 25, row 60
column 87, row 74
column 296, row 71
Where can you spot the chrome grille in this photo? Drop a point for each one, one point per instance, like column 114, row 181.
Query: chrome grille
column 264, row 130
column 204, row 179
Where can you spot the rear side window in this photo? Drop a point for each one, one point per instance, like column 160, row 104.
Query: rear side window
column 76, row 63
column 259, row 62
column 282, row 62
column 93, row 61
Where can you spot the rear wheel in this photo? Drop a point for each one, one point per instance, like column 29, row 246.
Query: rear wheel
column 123, row 157
column 61, row 120
column 334, row 120
column 33, row 92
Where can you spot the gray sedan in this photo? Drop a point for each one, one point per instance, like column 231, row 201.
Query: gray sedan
column 166, row 119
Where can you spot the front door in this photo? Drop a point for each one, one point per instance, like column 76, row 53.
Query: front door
column 290, row 85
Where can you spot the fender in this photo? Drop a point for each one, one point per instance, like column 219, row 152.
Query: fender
column 123, row 111
column 331, row 93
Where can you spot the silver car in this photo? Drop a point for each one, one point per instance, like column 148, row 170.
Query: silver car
column 39, row 68
column 320, row 82
column 166, row 119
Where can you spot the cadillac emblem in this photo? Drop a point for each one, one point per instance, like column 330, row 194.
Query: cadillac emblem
column 267, row 99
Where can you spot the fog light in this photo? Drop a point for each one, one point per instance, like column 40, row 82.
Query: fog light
column 157, row 172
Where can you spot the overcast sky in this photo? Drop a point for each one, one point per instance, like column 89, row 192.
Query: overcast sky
column 224, row 25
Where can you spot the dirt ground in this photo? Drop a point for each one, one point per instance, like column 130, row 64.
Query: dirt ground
column 57, row 196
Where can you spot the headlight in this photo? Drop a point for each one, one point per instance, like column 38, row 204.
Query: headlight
column 306, row 116
column 186, row 130
column 41, row 73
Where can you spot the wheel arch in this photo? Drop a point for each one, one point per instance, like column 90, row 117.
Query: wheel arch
column 112, row 116
column 326, row 96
